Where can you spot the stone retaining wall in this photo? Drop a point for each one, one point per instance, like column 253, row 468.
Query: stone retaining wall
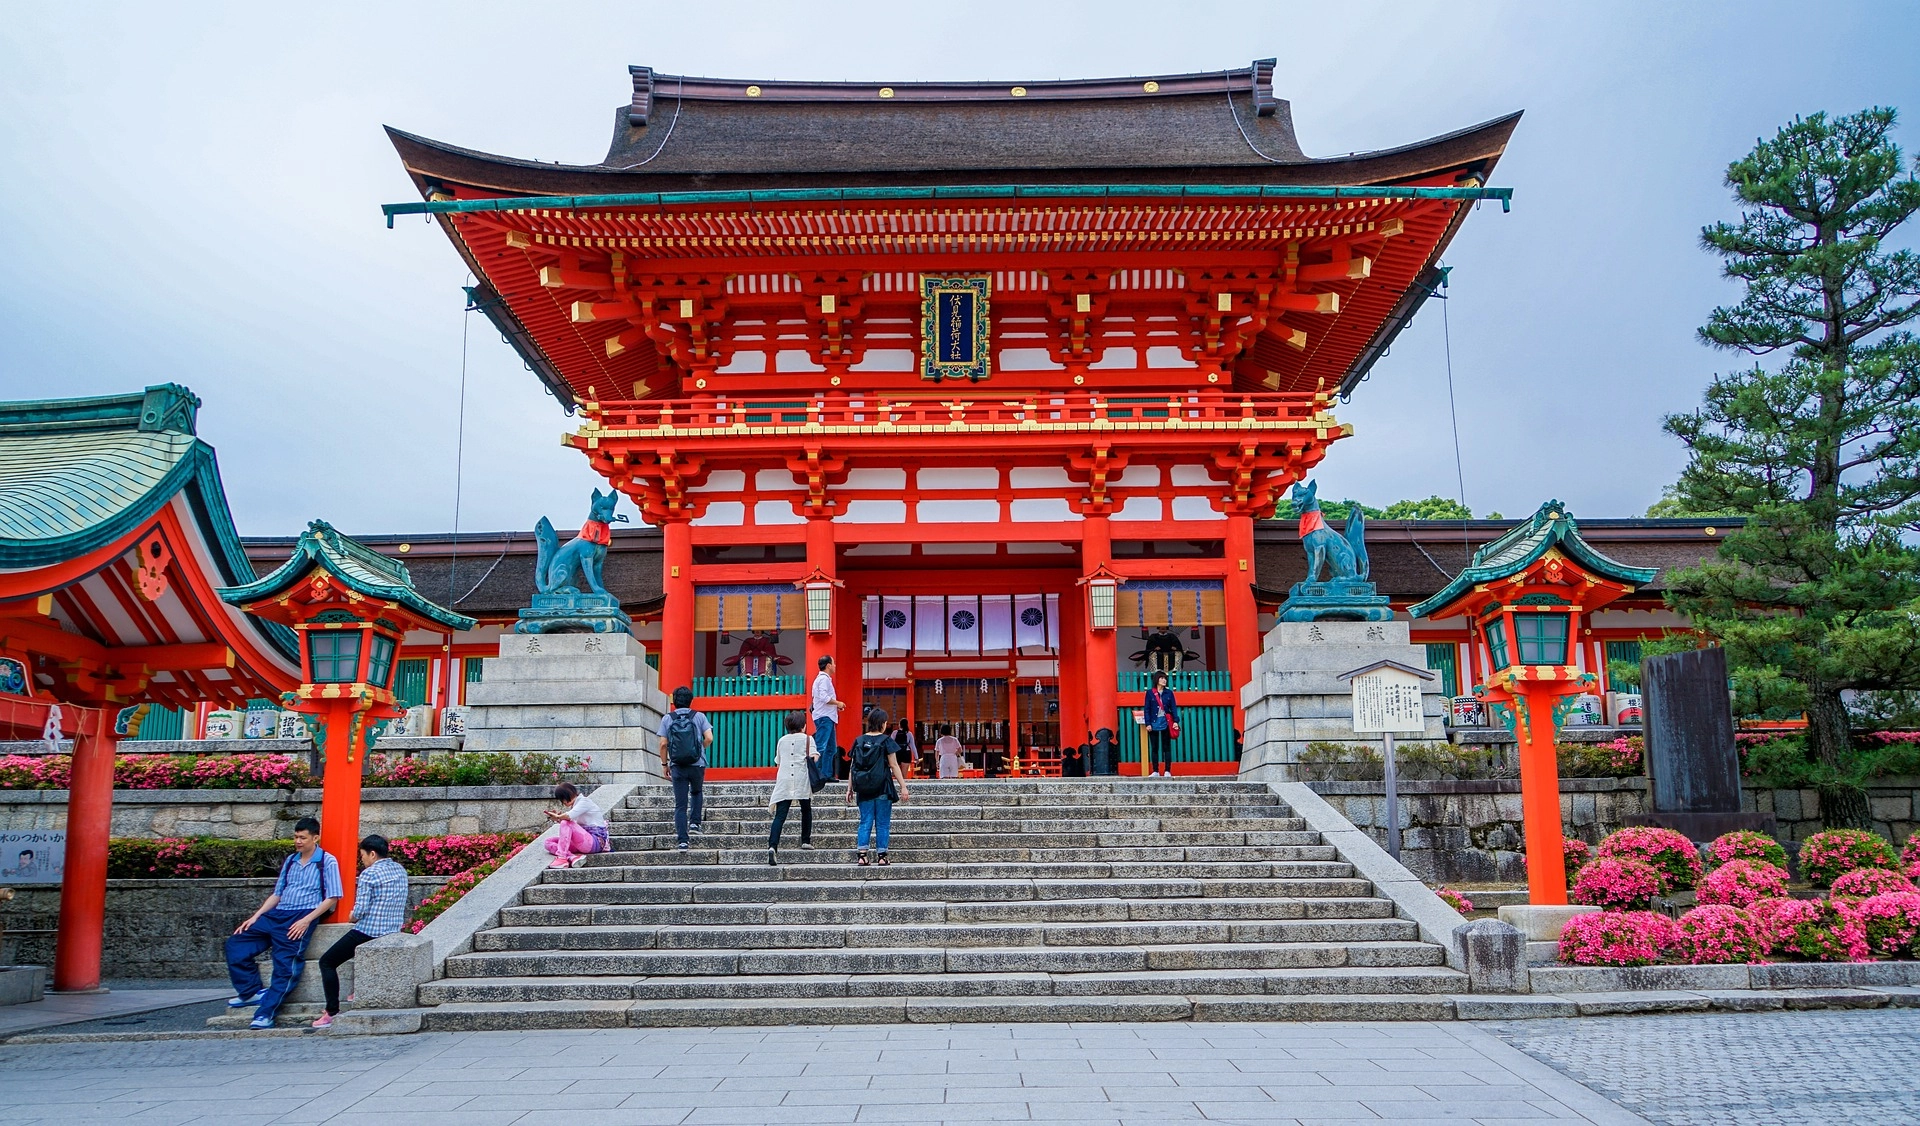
column 1470, row 831
column 270, row 814
column 154, row 928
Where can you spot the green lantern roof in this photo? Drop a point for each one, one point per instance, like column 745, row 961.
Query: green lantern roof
column 1523, row 545
column 356, row 566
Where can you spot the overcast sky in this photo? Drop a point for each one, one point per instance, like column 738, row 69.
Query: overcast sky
column 191, row 193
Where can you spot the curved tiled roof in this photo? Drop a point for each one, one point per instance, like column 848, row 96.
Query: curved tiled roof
column 687, row 133
column 1552, row 526
column 359, row 568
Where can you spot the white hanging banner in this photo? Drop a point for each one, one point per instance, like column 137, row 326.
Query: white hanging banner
column 1053, row 622
column 963, row 624
column 996, row 623
column 896, row 623
column 870, row 620
column 1029, row 621
column 930, row 624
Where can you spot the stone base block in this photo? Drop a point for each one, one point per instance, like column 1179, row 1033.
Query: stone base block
column 1541, row 923
column 20, row 985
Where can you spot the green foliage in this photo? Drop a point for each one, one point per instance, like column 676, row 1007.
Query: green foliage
column 1788, row 763
column 209, row 858
column 1673, row 506
column 1341, row 762
column 1432, row 508
column 474, row 768
column 1817, row 592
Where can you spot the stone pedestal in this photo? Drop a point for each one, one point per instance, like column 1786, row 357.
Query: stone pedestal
column 1296, row 697
column 571, row 694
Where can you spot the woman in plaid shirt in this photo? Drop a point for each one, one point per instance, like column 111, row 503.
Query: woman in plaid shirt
column 379, row 908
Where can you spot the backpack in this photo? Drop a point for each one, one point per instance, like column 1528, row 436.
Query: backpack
column 683, row 738
column 870, row 756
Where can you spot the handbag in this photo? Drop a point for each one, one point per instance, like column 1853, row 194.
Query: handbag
column 819, row 773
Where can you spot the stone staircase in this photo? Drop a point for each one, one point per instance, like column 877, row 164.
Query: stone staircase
column 1044, row 900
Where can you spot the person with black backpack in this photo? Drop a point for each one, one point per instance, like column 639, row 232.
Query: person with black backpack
column 877, row 783
column 685, row 736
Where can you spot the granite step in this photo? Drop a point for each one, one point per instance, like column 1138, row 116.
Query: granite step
column 705, row 865
column 838, row 849
column 860, row 935
column 937, row 911
column 933, row 960
column 1286, row 982
column 786, row 890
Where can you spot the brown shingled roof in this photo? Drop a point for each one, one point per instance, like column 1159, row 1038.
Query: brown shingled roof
column 1219, row 127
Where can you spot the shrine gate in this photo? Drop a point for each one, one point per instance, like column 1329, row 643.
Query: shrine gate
column 977, row 387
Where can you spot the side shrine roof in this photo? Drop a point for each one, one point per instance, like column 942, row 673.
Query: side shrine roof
column 359, row 568
column 682, row 133
column 1523, row 545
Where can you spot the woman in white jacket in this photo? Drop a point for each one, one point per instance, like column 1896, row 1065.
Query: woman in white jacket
column 793, row 783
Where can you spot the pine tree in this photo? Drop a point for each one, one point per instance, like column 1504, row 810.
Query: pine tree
column 1819, row 591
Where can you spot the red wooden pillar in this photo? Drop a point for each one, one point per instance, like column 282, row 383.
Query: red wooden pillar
column 1243, row 616
column 821, row 560
column 1540, row 799
column 676, row 617
column 83, row 885
column 1072, row 681
column 849, row 666
column 345, row 752
column 1102, row 654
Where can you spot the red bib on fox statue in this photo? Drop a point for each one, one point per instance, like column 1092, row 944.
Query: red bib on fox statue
column 1310, row 521
column 596, row 531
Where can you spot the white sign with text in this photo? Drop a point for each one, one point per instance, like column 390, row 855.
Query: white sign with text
column 1387, row 701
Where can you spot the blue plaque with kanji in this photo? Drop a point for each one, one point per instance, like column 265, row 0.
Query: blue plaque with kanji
column 955, row 324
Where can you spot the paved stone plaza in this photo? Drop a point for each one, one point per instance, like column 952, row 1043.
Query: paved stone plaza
column 1755, row 1070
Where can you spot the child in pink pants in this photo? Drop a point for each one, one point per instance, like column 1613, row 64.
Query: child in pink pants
column 583, row 828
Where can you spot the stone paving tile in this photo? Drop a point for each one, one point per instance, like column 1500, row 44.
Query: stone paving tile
column 1088, row 1075
column 1744, row 1069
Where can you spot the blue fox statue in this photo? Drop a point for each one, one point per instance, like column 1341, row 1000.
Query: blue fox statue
column 560, row 571
column 1343, row 554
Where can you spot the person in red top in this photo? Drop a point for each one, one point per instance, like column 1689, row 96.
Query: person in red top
column 1162, row 714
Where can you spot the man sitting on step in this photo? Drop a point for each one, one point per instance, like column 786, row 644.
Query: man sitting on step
column 308, row 888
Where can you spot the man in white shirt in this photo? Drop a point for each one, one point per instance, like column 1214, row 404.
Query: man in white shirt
column 947, row 750
column 826, row 713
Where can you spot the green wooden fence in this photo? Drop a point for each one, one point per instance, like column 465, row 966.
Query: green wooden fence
column 1443, row 657
column 410, row 683
column 748, row 686
column 1190, row 680
column 1206, row 735
column 745, row 739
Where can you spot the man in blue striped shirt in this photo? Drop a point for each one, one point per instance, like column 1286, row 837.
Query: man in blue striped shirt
column 379, row 908
column 308, row 888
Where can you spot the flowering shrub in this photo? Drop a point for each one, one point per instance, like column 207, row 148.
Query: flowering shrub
column 450, row 892
column 450, row 855
column 1891, row 923
column 1910, row 857
column 1894, row 738
column 1669, row 853
column 1745, row 844
column 1610, row 938
column 1616, row 884
column 474, row 769
column 1575, row 852
column 193, row 858
column 1822, row 930
column 1828, row 855
column 1624, row 757
column 1863, row 882
column 1717, row 934
column 1455, row 900
column 163, row 772
column 1742, row 883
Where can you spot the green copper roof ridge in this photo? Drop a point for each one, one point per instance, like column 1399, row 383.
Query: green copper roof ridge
column 127, row 411
column 1206, row 192
column 324, row 546
column 1553, row 526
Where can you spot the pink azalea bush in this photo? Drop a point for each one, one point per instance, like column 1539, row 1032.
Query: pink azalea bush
column 1864, row 882
column 1745, row 844
column 450, row 892
column 1828, row 855
column 1617, row 938
column 1454, row 899
column 1669, row 853
column 474, row 769
column 1910, row 857
column 1574, row 854
column 1891, row 923
column 163, row 772
column 1741, row 883
column 451, row 855
column 1820, row 930
column 1716, row 934
column 1616, row 884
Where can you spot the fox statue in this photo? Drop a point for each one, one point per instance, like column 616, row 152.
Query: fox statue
column 1345, row 556
column 554, row 565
